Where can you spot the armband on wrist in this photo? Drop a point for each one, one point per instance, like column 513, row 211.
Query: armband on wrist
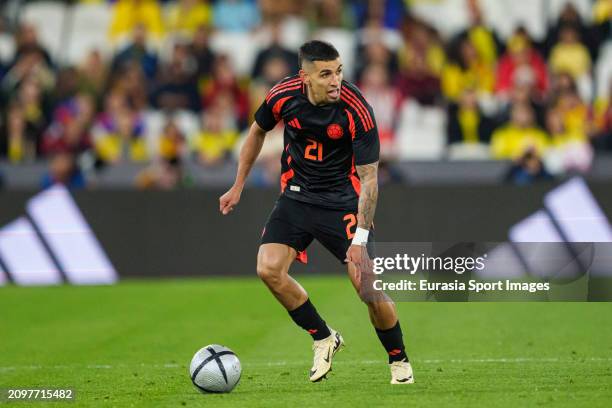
column 360, row 237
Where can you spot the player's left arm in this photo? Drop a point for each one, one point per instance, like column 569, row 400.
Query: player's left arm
column 368, row 175
column 366, row 150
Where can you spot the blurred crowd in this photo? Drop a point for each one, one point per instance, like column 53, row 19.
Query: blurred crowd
column 165, row 96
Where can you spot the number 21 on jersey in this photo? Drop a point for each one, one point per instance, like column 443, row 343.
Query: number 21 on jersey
column 318, row 150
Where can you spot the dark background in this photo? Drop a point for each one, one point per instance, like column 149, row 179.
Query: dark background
column 182, row 233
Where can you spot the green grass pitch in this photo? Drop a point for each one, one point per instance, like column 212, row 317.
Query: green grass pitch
column 130, row 345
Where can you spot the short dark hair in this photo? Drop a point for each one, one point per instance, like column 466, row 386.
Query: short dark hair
column 317, row 50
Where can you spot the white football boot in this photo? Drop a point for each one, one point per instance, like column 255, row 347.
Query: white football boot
column 401, row 372
column 324, row 351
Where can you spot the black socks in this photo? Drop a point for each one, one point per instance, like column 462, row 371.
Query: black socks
column 307, row 318
column 393, row 342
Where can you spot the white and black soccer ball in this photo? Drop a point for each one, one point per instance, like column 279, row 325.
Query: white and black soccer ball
column 215, row 368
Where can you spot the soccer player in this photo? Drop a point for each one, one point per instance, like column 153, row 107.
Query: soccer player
column 329, row 187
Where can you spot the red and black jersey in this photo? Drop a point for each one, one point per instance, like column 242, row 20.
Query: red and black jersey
column 323, row 144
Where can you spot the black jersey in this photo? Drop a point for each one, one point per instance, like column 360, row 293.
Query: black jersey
column 323, row 144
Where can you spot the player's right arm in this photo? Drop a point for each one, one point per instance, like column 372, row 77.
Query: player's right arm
column 266, row 118
column 248, row 154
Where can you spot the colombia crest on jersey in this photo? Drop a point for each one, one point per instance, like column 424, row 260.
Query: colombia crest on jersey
column 323, row 144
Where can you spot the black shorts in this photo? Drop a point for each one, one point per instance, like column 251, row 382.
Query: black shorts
column 296, row 224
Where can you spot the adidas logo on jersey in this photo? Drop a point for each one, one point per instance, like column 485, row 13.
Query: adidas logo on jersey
column 295, row 123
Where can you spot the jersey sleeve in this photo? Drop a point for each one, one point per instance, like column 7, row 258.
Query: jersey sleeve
column 265, row 117
column 366, row 144
column 270, row 111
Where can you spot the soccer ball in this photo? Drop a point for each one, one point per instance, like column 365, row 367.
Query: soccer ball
column 215, row 368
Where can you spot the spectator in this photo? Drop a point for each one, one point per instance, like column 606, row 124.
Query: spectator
column 558, row 131
column 132, row 85
column 387, row 13
column 129, row 15
column 93, row 75
column 521, row 64
column 203, row 54
column 522, row 94
column 66, row 85
column 574, row 112
column 219, row 131
column 467, row 123
column 171, row 143
column 137, row 52
column 570, row 55
column 185, row 17
column 570, row 150
column 26, row 121
column 570, row 17
column 520, row 135
column 31, row 60
column 421, row 60
column 466, row 70
column 332, row 14
column 19, row 146
column 274, row 70
column 561, row 83
column 480, row 36
column 528, row 169
column 600, row 26
column 69, row 131
column 176, row 85
column 118, row 133
column 376, row 53
column 26, row 42
column 167, row 172
column 235, row 15
column 223, row 81
column 273, row 11
column 275, row 51
column 602, row 11
column 63, row 169
column 603, row 122
column 385, row 101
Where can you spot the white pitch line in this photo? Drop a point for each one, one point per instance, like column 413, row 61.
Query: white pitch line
column 299, row 363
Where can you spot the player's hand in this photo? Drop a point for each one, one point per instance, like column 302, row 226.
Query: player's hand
column 229, row 200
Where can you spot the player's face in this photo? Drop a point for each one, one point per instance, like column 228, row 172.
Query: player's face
column 324, row 80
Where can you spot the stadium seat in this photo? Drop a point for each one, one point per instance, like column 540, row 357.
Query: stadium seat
column 603, row 71
column 154, row 122
column 240, row 47
column 49, row 18
column 294, row 32
column 420, row 134
column 7, row 47
column 585, row 87
column 392, row 39
column 505, row 16
column 451, row 16
column 89, row 31
column 469, row 151
column 188, row 122
column 120, row 175
column 448, row 16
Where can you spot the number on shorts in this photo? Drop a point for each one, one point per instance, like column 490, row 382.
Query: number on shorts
column 352, row 221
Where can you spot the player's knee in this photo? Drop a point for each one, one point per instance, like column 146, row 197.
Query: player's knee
column 270, row 269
